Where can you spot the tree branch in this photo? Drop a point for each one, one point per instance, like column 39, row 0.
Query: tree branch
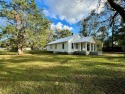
column 118, row 8
column 113, row 18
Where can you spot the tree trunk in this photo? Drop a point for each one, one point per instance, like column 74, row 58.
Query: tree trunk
column 112, row 40
column 121, row 11
column 117, row 8
column 20, row 42
column 124, row 43
column 20, row 49
column 113, row 36
column 32, row 46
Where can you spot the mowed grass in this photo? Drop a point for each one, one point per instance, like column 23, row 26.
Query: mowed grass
column 46, row 73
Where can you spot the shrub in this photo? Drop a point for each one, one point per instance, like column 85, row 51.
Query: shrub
column 80, row 53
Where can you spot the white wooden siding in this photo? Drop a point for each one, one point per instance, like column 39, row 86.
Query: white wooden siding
column 68, row 45
column 58, row 48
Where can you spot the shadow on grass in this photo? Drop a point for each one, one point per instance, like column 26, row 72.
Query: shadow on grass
column 35, row 52
column 109, row 64
column 7, row 53
column 91, row 80
column 95, row 81
column 110, row 85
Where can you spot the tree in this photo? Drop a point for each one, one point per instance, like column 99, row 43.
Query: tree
column 118, row 6
column 119, row 35
column 92, row 26
column 61, row 34
column 38, row 40
column 24, row 18
column 65, row 33
column 88, row 24
column 115, row 5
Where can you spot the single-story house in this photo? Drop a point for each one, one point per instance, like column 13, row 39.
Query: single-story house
column 73, row 44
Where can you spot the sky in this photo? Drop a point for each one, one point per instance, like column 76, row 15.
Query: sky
column 65, row 14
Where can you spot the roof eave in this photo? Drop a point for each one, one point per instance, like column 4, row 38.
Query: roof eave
column 56, row 43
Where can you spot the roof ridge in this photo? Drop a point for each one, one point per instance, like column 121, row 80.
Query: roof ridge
column 61, row 40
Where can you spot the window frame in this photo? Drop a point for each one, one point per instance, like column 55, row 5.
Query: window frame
column 50, row 46
column 72, row 46
column 55, row 46
column 77, row 46
column 63, row 46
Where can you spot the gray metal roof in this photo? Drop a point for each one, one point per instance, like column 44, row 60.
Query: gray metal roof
column 61, row 40
column 75, row 40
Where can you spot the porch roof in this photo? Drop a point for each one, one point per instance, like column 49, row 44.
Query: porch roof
column 85, row 39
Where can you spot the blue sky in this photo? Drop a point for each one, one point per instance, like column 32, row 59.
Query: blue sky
column 65, row 14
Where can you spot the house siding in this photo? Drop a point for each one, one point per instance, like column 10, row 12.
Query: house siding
column 58, row 47
column 88, row 45
column 74, row 46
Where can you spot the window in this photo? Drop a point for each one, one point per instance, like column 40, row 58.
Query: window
column 88, row 46
column 63, row 46
column 72, row 46
column 50, row 46
column 97, row 46
column 55, row 46
column 81, row 46
column 91, row 46
column 76, row 46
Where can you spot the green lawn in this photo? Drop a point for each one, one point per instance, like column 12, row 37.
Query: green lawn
column 45, row 73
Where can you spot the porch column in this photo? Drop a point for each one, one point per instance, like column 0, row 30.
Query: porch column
column 89, row 46
column 86, row 46
column 93, row 47
column 80, row 47
column 74, row 47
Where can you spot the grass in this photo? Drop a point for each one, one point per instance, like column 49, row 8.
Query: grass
column 46, row 73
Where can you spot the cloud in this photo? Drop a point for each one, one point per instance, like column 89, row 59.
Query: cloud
column 46, row 12
column 70, row 10
column 60, row 26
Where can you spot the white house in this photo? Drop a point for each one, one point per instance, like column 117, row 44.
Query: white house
column 73, row 43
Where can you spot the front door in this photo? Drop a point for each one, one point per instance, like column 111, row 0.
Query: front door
column 88, row 47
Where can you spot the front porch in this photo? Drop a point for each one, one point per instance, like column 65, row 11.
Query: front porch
column 85, row 46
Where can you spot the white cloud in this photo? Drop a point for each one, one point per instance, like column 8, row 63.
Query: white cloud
column 67, row 28
column 70, row 10
column 46, row 12
column 60, row 26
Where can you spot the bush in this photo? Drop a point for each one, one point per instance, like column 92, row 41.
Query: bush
column 94, row 53
column 62, row 53
column 80, row 53
column 114, row 49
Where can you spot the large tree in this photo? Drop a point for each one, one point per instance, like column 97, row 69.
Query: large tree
column 23, row 18
column 61, row 34
column 116, row 5
column 93, row 25
column 116, row 9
